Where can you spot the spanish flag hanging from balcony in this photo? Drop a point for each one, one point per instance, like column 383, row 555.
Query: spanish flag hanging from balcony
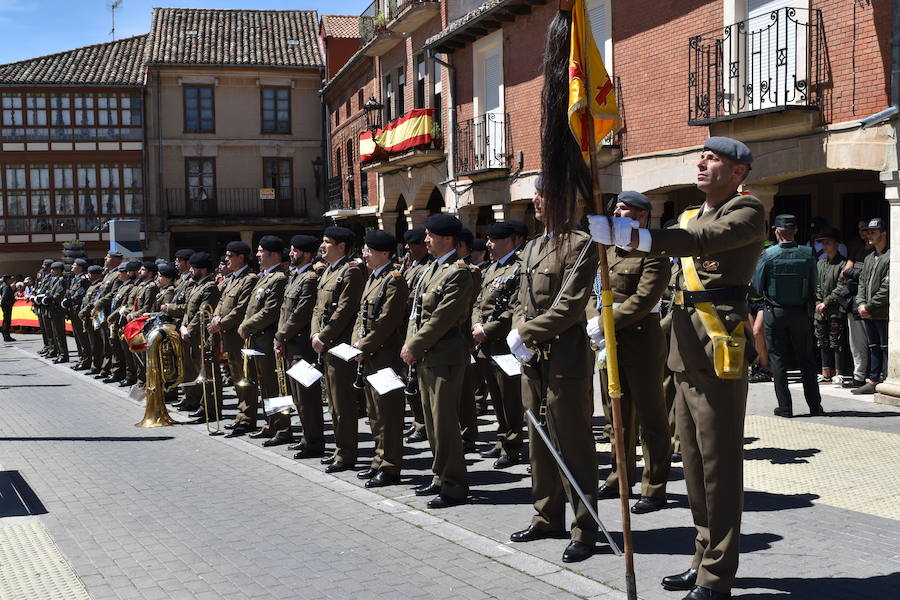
column 592, row 93
column 412, row 129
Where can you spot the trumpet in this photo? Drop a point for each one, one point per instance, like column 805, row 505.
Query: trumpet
column 203, row 379
column 412, row 381
column 281, row 374
column 245, row 381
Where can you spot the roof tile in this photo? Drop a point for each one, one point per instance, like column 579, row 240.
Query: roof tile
column 341, row 26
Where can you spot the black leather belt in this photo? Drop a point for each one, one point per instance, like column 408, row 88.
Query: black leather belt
column 724, row 295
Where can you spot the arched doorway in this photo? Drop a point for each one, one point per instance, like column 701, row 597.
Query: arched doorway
column 401, row 226
column 435, row 202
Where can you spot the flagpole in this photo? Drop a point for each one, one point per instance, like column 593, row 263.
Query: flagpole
column 609, row 334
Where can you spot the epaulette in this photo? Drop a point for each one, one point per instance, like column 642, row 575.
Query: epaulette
column 475, row 268
column 312, row 274
column 462, row 264
column 396, row 274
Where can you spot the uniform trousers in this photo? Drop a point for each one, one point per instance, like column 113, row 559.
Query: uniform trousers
column 248, row 401
column 468, row 409
column 710, row 416
column 79, row 334
column 415, row 406
column 339, row 377
column 569, row 409
column 506, row 396
column 58, row 328
column 308, row 401
column 106, row 348
column 441, row 387
column 278, row 424
column 95, row 360
column 193, row 394
column 386, row 422
column 786, row 328
column 130, row 358
column 45, row 328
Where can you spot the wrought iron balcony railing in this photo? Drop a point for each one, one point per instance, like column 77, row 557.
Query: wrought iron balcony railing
column 482, row 144
column 378, row 16
column 767, row 63
column 335, row 193
column 203, row 202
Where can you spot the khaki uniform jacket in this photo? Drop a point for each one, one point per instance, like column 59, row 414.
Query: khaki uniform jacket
column 725, row 244
column 562, row 327
column 178, row 304
column 387, row 292
column 413, row 276
column 202, row 291
column 264, row 308
column 498, row 282
column 439, row 335
column 337, row 302
column 144, row 298
column 121, row 298
column 110, row 286
column 164, row 295
column 295, row 319
column 78, row 286
column 56, row 289
column 233, row 304
column 90, row 296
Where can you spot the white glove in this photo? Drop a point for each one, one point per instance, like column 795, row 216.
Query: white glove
column 595, row 332
column 523, row 354
column 517, row 346
column 620, row 233
column 601, row 356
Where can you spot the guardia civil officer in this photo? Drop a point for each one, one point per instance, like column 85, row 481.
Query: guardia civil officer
column 718, row 244
column 786, row 276
column 548, row 335
column 638, row 282
column 437, row 343
column 377, row 333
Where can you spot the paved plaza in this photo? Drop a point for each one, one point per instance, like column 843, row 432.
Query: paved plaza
column 92, row 507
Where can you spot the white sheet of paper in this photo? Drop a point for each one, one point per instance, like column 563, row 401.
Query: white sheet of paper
column 345, row 352
column 471, row 360
column 251, row 352
column 385, row 381
column 278, row 404
column 304, row 373
column 509, row 364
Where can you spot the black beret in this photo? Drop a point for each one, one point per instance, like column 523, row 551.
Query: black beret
column 122, row 268
column 519, row 227
column 95, row 269
column 167, row 270
column 271, row 243
column 876, row 223
column 184, row 254
column 133, row 265
column 415, row 236
column 115, row 254
column 830, row 233
column 500, row 231
column 201, row 260
column 6, row 276
column 785, row 221
column 479, row 244
column 382, row 241
column 339, row 234
column 729, row 148
column 150, row 266
column 443, row 224
column 80, row 262
column 238, row 247
column 635, row 200
column 48, row 262
column 285, row 254
column 306, row 243
column 57, row 265
column 466, row 235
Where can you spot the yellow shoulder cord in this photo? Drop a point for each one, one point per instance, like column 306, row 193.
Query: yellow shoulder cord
column 728, row 349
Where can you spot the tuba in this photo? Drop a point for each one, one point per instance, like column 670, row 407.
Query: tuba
column 164, row 369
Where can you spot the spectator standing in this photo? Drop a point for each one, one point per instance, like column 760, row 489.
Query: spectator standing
column 786, row 276
column 7, row 300
column 856, row 329
column 817, row 225
column 859, row 248
column 872, row 299
column 830, row 324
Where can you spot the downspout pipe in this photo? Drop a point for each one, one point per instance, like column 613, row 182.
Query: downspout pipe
column 894, row 108
column 451, row 115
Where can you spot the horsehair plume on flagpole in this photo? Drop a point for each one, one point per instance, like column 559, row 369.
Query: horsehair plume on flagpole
column 563, row 170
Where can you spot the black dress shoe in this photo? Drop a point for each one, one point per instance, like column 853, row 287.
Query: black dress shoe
column 783, row 412
column 230, row 426
column 427, row 490
column 240, row 429
column 534, row 533
column 418, row 436
column 338, row 466
column 307, row 453
column 198, row 413
column 382, row 478
column 61, row 359
column 127, row 382
column 78, row 367
column 367, row 473
column 681, row 581
column 817, row 411
column 297, row 446
column 112, row 379
column 577, row 551
column 646, row 505
column 506, row 461
column 441, row 501
column 93, row 372
column 327, row 460
column 676, row 457
column 605, row 492
column 702, row 593
column 275, row 441
column 409, row 431
column 9, row 339
column 492, row 452
column 469, row 447
column 262, row 434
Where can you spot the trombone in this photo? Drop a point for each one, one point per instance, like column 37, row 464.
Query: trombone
column 245, row 381
column 203, row 379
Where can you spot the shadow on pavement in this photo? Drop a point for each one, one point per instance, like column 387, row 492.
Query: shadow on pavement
column 155, row 438
column 879, row 586
column 680, row 541
column 755, row 501
column 17, row 499
column 34, row 385
column 861, row 413
column 781, row 456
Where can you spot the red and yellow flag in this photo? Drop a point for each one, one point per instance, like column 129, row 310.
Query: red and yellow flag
column 592, row 93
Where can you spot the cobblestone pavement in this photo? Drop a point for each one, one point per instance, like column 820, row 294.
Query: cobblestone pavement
column 92, row 507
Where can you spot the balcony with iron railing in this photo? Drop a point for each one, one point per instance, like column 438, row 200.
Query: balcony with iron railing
column 224, row 203
column 335, row 193
column 770, row 63
column 483, row 145
column 384, row 23
column 412, row 139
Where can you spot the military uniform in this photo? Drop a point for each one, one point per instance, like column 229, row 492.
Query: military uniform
column 638, row 283
column 468, row 407
column 94, row 356
column 337, row 302
column 78, row 284
column 293, row 332
column 413, row 276
column 494, row 308
column 56, row 316
column 202, row 291
column 122, row 365
column 562, row 375
column 108, row 289
column 41, row 279
column 231, row 310
column 438, row 335
column 378, row 334
column 260, row 323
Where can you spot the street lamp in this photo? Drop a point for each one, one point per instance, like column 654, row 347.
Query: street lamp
column 373, row 108
column 317, row 173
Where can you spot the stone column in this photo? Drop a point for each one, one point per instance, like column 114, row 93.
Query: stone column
column 388, row 221
column 766, row 195
column 515, row 211
column 657, row 205
column 888, row 392
column 247, row 238
column 416, row 217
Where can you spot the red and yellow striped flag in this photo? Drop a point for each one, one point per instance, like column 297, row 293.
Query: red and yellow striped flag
column 592, row 92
